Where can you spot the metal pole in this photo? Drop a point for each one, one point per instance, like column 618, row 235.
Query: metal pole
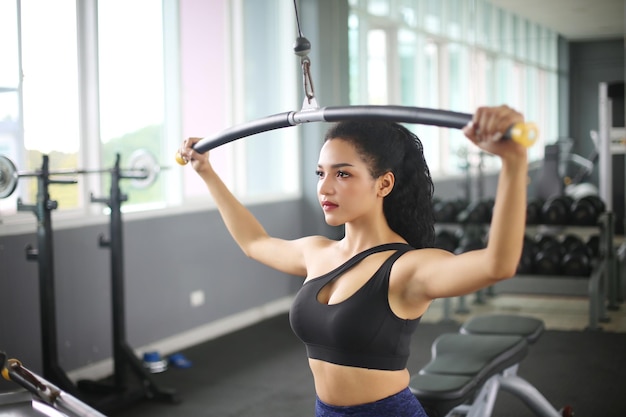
column 604, row 147
column 44, row 256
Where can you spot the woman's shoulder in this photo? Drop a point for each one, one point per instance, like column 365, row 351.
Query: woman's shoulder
column 312, row 245
column 411, row 260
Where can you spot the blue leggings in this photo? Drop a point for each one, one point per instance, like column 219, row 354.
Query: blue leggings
column 402, row 404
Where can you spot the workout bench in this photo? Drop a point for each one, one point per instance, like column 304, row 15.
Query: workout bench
column 468, row 368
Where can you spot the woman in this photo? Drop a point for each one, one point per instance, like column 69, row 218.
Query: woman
column 364, row 294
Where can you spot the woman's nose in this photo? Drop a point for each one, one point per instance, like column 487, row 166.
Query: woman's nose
column 324, row 186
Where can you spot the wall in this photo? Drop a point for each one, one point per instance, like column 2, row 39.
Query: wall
column 165, row 259
column 590, row 64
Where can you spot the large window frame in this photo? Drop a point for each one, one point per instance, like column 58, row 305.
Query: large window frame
column 233, row 61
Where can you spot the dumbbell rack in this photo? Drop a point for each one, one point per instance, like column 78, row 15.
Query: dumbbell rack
column 601, row 284
column 124, row 358
column 43, row 254
column 602, row 287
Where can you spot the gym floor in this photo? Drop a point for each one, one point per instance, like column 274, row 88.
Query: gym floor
column 261, row 371
column 557, row 312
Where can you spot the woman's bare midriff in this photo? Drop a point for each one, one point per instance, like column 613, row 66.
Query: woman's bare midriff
column 347, row 386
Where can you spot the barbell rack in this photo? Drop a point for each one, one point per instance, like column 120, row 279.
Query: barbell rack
column 124, row 358
column 102, row 395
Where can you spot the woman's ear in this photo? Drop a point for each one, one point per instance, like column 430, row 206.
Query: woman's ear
column 386, row 183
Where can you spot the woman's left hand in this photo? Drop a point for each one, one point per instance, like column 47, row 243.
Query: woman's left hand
column 488, row 127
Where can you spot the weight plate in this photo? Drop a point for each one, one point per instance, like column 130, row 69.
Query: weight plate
column 8, row 177
column 144, row 169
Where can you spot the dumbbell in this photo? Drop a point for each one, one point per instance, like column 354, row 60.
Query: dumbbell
column 593, row 243
column 586, row 210
column 557, row 210
column 526, row 264
column 547, row 260
column 446, row 240
column 470, row 239
column 478, row 212
column 576, row 259
column 533, row 211
column 446, row 211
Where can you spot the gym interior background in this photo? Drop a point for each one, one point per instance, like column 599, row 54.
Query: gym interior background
column 94, row 87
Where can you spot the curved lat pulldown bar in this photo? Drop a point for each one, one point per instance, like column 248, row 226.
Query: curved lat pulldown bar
column 523, row 133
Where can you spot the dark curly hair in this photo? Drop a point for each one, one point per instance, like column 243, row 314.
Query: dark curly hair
column 391, row 147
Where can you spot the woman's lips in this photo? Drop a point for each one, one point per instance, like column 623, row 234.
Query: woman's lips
column 327, row 205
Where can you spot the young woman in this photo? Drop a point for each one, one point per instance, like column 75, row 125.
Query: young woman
column 364, row 294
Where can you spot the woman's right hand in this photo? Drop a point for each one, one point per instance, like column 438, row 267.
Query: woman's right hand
column 199, row 162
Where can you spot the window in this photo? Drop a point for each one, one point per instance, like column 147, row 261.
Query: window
column 42, row 107
column 271, row 80
column 104, row 78
column 453, row 55
column 10, row 103
column 132, row 89
column 377, row 67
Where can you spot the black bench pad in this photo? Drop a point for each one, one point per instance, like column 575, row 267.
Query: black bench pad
column 504, row 324
column 460, row 365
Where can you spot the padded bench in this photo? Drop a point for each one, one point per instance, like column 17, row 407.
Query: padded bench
column 468, row 368
column 504, row 324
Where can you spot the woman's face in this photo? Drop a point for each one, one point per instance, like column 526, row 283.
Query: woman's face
column 345, row 188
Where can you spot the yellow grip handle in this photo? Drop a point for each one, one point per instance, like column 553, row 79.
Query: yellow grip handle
column 180, row 160
column 5, row 370
column 526, row 134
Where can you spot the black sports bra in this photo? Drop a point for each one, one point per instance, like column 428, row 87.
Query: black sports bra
column 361, row 331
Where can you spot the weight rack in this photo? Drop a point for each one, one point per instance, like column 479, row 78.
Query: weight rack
column 102, row 395
column 124, row 358
column 602, row 284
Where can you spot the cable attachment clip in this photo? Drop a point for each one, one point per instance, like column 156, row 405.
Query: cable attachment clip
column 302, row 47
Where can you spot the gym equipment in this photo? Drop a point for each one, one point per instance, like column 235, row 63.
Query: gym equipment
column 547, row 259
column 143, row 170
column 533, row 211
column 574, row 256
column 549, row 184
column 43, row 254
column 611, row 151
column 556, row 210
column 586, row 210
column 548, row 254
column 568, row 256
column 527, row 260
column 446, row 240
column 44, row 391
column 576, row 259
column 468, row 368
column 576, row 264
column 593, row 243
column 525, row 134
column 469, row 242
column 123, row 355
column 478, row 212
column 8, row 177
column 446, row 211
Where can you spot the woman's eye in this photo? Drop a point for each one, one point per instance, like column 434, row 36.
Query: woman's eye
column 342, row 174
column 319, row 174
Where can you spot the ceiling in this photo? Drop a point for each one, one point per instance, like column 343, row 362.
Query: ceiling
column 575, row 20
